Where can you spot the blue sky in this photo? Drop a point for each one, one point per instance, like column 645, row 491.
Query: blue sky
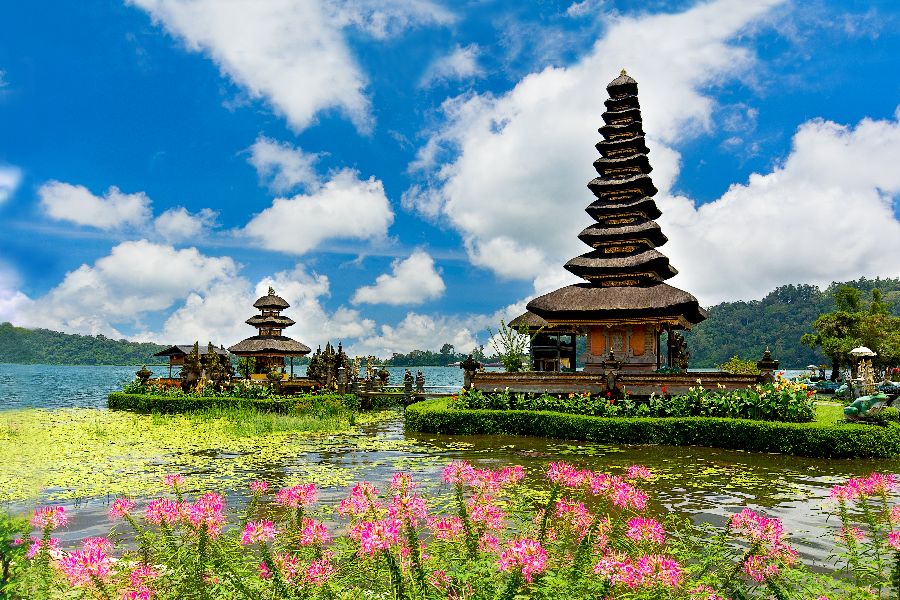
column 407, row 172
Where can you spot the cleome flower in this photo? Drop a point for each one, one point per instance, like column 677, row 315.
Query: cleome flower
column 376, row 535
column 120, row 507
column 91, row 563
column 526, row 555
column 49, row 517
column 645, row 529
column 297, row 496
column 258, row 531
column 363, row 500
column 259, row 487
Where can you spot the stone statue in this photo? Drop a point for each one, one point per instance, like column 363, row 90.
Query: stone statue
column 867, row 407
column 680, row 356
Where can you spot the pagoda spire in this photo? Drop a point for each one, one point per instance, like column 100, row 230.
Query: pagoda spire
column 625, row 236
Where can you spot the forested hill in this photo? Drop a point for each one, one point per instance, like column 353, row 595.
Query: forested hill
column 778, row 320
column 42, row 346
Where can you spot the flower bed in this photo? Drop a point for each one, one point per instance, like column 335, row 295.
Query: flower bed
column 782, row 400
column 592, row 536
column 817, row 439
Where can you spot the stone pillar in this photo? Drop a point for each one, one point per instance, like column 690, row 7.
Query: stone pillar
column 407, row 387
column 342, row 380
column 469, row 367
column 767, row 367
column 420, row 386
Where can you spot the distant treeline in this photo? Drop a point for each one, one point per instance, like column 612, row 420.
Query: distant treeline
column 778, row 321
column 42, row 346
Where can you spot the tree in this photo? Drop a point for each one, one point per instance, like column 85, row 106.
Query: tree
column 192, row 369
column 510, row 345
column 215, row 370
column 856, row 323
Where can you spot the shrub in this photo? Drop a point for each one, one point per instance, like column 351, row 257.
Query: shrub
column 822, row 440
column 175, row 403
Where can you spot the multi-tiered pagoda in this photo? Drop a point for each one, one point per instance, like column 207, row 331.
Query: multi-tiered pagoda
column 269, row 347
column 624, row 306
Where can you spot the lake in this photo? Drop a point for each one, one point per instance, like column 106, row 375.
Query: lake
column 88, row 451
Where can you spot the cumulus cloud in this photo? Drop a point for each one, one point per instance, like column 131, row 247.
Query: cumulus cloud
column 290, row 52
column 12, row 300
column 283, row 166
column 10, row 178
column 418, row 332
column 345, row 207
column 585, row 7
column 387, row 18
column 518, row 162
column 412, row 280
column 461, row 63
column 178, row 225
column 826, row 214
column 136, row 278
column 76, row 204
column 219, row 312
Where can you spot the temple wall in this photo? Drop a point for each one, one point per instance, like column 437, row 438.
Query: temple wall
column 633, row 345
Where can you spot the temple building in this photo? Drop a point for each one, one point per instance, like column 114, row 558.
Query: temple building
column 176, row 355
column 269, row 347
column 623, row 306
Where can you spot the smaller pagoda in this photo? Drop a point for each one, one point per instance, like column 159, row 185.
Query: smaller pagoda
column 269, row 347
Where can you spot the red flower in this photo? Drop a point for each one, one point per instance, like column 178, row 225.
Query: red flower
column 609, row 394
column 664, row 390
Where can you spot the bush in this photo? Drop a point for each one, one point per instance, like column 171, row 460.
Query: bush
column 820, row 440
column 779, row 401
column 186, row 403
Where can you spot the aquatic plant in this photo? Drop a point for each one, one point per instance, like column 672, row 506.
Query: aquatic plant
column 591, row 536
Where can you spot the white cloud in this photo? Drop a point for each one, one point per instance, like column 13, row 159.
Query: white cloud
column 585, row 7
column 522, row 159
column 219, row 312
column 461, row 63
column 12, row 300
column 826, row 214
column 411, row 281
column 345, row 207
column 417, row 332
column 136, row 278
column 290, row 52
column 10, row 177
column 76, row 204
column 387, row 18
column 178, row 225
column 284, row 166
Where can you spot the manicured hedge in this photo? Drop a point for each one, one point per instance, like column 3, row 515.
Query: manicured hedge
column 177, row 404
column 820, row 440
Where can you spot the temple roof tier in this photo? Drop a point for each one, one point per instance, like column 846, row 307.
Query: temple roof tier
column 270, row 321
column 585, row 303
column 634, row 163
column 617, row 190
column 623, row 84
column 622, row 147
column 624, row 115
column 270, row 345
column 644, row 267
column 623, row 213
column 622, row 130
column 644, row 231
column 622, row 103
column 271, row 301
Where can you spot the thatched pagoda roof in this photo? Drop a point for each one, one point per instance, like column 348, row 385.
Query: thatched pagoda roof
column 270, row 321
column 271, row 301
column 587, row 303
column 645, row 230
column 598, row 265
column 270, row 345
column 601, row 209
column 622, row 81
column 185, row 349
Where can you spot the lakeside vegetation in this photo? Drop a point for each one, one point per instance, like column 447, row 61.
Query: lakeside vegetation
column 45, row 347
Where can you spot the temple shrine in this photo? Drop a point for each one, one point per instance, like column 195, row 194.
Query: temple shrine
column 623, row 307
column 269, row 347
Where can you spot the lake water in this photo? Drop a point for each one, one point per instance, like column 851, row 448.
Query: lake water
column 702, row 483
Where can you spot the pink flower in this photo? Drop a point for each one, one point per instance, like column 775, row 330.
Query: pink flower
column 363, row 500
column 49, row 517
column 258, row 531
column 576, row 516
column 647, row 571
column 284, row 563
column 120, row 507
column 759, row 568
column 92, row 562
column 488, row 543
column 625, row 495
column 142, row 574
column 35, row 547
column 142, row 593
column 163, row 511
column 313, row 532
column 376, row 535
column 482, row 510
column 639, row 472
column 705, row 592
column 319, row 571
column 487, row 481
column 407, row 507
column 757, row 527
column 640, row 529
column 297, row 496
column 566, row 475
column 525, row 554
column 851, row 534
column 459, row 472
column 259, row 487
column 173, row 480
column 894, row 540
column 401, row 482
column 447, row 528
column 440, row 580
column 206, row 513
column 895, row 515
